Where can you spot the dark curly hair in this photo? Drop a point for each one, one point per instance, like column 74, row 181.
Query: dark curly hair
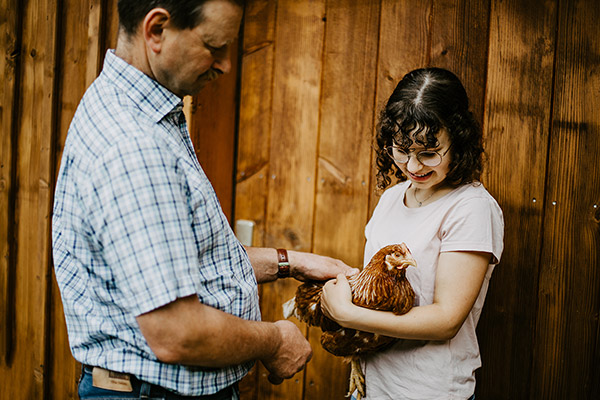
column 425, row 101
column 185, row 14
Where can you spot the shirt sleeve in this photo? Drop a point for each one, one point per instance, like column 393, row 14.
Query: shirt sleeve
column 142, row 224
column 475, row 224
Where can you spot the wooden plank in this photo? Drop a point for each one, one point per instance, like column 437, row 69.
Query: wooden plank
column 79, row 64
column 9, row 66
column 293, row 143
column 110, row 26
column 255, row 115
column 34, row 180
column 213, row 132
column 569, row 285
column 516, row 134
column 404, row 35
column 459, row 43
column 345, row 137
column 254, row 132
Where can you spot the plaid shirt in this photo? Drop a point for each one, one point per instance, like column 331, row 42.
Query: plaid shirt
column 137, row 225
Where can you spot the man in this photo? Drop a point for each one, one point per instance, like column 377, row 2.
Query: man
column 160, row 298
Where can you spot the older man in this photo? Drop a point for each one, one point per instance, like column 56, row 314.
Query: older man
column 160, row 298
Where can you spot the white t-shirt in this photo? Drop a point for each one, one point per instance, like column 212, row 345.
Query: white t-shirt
column 466, row 219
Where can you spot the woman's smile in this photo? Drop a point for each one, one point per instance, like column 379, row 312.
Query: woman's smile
column 419, row 177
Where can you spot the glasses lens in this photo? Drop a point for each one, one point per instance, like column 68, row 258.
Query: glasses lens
column 429, row 158
column 396, row 154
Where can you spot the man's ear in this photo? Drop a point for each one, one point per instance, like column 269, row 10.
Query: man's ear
column 153, row 28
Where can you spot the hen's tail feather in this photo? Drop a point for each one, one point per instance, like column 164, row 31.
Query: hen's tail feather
column 289, row 308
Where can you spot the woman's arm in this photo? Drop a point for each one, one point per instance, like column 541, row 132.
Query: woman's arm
column 457, row 285
column 303, row 265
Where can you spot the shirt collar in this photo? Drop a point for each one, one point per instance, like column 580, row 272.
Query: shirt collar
column 150, row 96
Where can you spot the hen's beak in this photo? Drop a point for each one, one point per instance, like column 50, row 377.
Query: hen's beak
column 409, row 262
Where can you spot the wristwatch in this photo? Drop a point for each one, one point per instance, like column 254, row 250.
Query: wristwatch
column 283, row 264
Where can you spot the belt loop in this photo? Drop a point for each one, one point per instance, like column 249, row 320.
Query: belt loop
column 145, row 390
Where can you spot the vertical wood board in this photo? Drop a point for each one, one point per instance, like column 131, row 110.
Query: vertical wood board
column 79, row 61
column 404, row 41
column 34, row 179
column 299, row 34
column 459, row 43
column 345, row 137
column 213, row 132
column 569, row 285
column 254, row 135
column 9, row 64
column 518, row 105
column 255, row 115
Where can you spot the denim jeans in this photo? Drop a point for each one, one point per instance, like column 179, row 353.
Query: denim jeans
column 142, row 390
column 354, row 397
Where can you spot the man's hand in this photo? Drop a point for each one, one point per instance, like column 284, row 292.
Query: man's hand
column 292, row 354
column 309, row 266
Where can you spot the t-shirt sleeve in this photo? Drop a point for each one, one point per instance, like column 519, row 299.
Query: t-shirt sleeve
column 142, row 224
column 475, row 224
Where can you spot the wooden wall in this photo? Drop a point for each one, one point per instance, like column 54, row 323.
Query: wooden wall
column 314, row 75
column 312, row 78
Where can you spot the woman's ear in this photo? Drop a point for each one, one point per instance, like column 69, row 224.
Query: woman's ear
column 153, row 28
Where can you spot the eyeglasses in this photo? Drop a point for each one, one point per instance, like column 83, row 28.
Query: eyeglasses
column 429, row 158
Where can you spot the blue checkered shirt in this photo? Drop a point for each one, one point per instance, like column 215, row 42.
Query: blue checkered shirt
column 137, row 225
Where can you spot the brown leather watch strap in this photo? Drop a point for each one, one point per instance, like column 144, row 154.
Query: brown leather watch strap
column 283, row 264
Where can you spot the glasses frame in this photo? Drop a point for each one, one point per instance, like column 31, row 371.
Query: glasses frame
column 390, row 152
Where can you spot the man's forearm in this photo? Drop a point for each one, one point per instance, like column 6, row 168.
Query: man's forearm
column 190, row 333
column 264, row 262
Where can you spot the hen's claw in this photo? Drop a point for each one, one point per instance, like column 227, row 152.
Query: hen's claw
column 357, row 380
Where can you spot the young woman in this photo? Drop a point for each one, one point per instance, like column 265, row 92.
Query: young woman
column 428, row 140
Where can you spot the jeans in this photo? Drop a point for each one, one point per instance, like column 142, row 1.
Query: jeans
column 354, row 397
column 143, row 390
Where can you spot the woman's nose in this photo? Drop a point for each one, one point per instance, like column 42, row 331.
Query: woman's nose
column 413, row 165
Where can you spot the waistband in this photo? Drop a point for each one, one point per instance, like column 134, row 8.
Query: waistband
column 140, row 389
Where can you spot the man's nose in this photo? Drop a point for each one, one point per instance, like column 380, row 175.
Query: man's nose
column 223, row 64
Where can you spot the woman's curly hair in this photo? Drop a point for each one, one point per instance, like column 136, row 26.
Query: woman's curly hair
column 425, row 101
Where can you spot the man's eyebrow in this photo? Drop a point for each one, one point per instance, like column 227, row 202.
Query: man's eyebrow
column 213, row 42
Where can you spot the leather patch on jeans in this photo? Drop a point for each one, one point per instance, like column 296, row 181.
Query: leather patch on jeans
column 110, row 380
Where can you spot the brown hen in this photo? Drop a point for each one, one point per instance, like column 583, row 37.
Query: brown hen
column 381, row 285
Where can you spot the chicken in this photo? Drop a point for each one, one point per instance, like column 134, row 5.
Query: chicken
column 381, row 285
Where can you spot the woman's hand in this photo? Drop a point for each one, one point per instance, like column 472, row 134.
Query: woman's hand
column 336, row 300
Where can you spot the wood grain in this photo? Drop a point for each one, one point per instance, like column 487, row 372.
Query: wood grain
column 79, row 64
column 516, row 128
column 299, row 34
column 253, row 152
column 9, row 68
column 569, row 282
column 213, row 132
column 539, row 331
column 345, row 132
column 34, row 183
column 404, row 40
column 459, row 43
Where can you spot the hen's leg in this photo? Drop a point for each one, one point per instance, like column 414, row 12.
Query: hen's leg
column 357, row 379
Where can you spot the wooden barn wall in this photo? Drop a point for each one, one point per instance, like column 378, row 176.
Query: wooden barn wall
column 310, row 80
column 314, row 76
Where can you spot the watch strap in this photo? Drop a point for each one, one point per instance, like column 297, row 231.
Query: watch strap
column 283, row 264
